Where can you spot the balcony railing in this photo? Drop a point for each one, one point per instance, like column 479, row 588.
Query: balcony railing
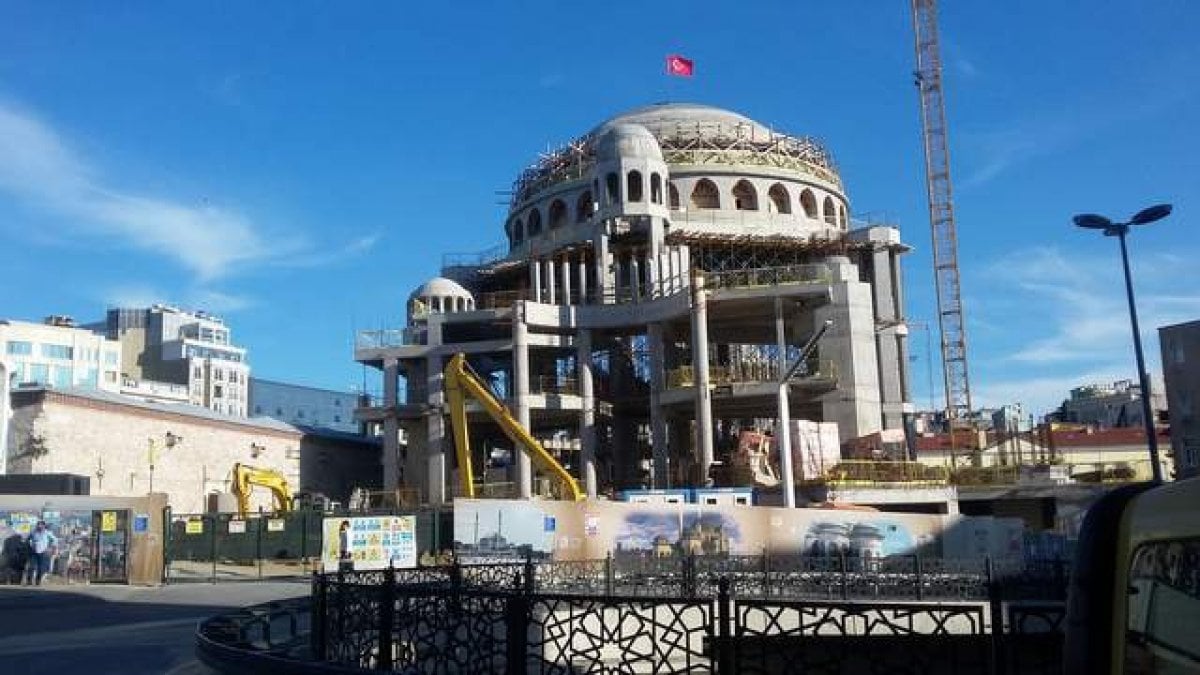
column 769, row 276
column 748, row 372
column 387, row 338
column 867, row 473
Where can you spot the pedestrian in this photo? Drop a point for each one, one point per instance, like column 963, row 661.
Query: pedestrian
column 16, row 556
column 42, row 544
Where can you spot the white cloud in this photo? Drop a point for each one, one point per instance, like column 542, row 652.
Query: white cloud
column 42, row 171
column 1071, row 322
column 197, row 298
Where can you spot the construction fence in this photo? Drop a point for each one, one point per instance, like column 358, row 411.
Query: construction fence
column 212, row 547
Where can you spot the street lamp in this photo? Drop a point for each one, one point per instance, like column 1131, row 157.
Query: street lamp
column 1119, row 230
column 783, row 435
column 169, row 441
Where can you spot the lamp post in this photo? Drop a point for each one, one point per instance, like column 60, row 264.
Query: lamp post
column 169, row 441
column 784, row 437
column 1119, row 230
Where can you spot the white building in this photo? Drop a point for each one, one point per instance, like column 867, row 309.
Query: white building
column 304, row 406
column 193, row 351
column 60, row 354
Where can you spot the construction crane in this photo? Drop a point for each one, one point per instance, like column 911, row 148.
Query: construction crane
column 461, row 382
column 941, row 214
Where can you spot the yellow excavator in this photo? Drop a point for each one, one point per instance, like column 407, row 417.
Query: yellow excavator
column 245, row 477
column 460, row 382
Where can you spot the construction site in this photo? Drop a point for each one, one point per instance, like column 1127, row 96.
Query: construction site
column 663, row 273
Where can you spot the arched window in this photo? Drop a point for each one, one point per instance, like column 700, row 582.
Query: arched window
column 705, row 195
column 612, row 188
column 829, row 211
column 634, row 186
column 809, row 203
column 673, row 195
column 745, row 197
column 558, row 214
column 655, row 188
column 583, row 207
column 842, row 216
column 518, row 231
column 535, row 223
column 781, row 201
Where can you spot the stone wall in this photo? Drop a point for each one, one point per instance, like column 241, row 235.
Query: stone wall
column 109, row 442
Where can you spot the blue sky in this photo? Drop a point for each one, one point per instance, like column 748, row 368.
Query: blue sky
column 299, row 167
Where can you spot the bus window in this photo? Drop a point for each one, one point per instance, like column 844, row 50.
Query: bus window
column 1163, row 623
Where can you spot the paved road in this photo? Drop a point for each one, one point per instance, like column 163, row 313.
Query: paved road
column 95, row 630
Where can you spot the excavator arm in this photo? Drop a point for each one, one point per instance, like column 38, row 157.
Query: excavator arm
column 461, row 382
column 246, row 477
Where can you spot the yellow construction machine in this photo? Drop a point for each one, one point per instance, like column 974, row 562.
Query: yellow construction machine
column 460, row 382
column 245, row 477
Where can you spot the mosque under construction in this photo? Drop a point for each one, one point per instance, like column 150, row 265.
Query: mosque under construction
column 660, row 275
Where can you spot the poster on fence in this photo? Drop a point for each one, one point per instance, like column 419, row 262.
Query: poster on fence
column 369, row 543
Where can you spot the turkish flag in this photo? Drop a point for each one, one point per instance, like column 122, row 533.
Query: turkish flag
column 679, row 66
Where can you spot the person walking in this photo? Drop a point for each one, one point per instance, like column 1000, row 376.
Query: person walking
column 41, row 548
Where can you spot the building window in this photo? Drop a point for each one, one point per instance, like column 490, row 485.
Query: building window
column 198, row 372
column 830, row 212
column 57, row 351
column 337, row 402
column 299, row 414
column 705, row 195
column 38, row 372
column 781, row 201
column 1161, row 592
column 62, row 376
column 218, row 375
column 110, row 358
column 656, row 188
column 535, row 223
column 337, row 419
column 279, row 412
column 673, row 196
column 518, row 231
column 218, row 391
column 583, row 207
column 19, row 348
column 558, row 214
column 634, row 186
column 612, row 188
column 258, row 410
column 809, row 203
column 745, row 197
column 110, row 376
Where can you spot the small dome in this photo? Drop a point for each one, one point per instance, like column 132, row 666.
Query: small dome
column 440, row 287
column 629, row 141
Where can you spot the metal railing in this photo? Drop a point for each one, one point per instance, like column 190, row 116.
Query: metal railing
column 749, row 372
column 720, row 614
column 387, row 337
column 814, row 273
column 870, row 473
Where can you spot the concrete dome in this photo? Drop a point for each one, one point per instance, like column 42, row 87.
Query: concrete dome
column 440, row 287
column 627, row 140
column 671, row 119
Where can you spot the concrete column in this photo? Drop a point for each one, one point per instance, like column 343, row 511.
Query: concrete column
column 566, row 280
column 535, row 281
column 887, row 346
column 583, row 285
column 435, row 425
column 587, row 420
column 658, row 418
column 635, row 282
column 704, row 419
column 550, row 295
column 391, row 425
column 524, row 469
column 783, row 428
column 603, row 278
